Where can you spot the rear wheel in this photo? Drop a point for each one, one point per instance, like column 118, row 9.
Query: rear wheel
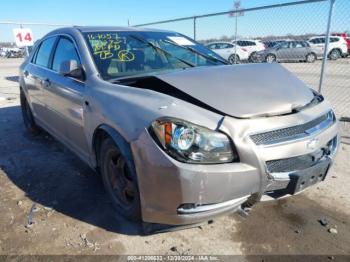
column 27, row 115
column 310, row 58
column 270, row 58
column 120, row 181
column 334, row 54
column 234, row 59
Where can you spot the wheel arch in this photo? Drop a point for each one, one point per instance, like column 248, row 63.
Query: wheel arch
column 335, row 48
column 105, row 131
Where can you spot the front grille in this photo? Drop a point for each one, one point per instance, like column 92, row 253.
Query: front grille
column 289, row 133
column 290, row 164
column 301, row 162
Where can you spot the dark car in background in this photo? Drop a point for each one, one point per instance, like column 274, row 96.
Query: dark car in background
column 288, row 51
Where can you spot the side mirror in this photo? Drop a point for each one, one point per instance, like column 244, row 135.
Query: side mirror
column 71, row 68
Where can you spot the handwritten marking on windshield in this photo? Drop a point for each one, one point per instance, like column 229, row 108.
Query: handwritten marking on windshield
column 126, row 56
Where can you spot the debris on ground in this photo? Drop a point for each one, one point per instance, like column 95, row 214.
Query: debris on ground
column 12, row 220
column 30, row 221
column 323, row 221
column 19, row 203
column 89, row 244
column 333, row 230
column 174, row 249
column 297, row 231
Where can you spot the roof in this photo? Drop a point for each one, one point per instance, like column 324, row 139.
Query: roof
column 115, row 28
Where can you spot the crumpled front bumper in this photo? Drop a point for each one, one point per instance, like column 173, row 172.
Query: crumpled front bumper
column 177, row 193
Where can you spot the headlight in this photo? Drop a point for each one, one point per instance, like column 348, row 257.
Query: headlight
column 190, row 143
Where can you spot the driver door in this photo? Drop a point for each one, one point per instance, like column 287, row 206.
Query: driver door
column 66, row 98
column 283, row 52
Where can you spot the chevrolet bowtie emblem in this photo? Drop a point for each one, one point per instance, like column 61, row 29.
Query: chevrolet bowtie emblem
column 312, row 144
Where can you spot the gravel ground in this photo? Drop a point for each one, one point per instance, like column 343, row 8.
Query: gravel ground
column 52, row 203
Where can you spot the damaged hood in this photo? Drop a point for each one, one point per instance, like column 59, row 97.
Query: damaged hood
column 243, row 91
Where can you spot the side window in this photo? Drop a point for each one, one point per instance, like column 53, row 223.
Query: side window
column 240, row 43
column 284, row 45
column 224, row 46
column 250, row 43
column 313, row 41
column 334, row 39
column 42, row 56
column 65, row 51
column 212, row 46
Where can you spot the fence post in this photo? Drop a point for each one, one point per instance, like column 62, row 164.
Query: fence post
column 194, row 28
column 324, row 61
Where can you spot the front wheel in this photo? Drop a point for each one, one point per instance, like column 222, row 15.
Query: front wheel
column 334, row 54
column 27, row 115
column 310, row 58
column 270, row 58
column 234, row 59
column 120, row 181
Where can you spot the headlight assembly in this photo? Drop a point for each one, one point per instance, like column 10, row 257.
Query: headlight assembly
column 191, row 143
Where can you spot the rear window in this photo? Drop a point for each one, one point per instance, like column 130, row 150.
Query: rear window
column 334, row 39
column 43, row 54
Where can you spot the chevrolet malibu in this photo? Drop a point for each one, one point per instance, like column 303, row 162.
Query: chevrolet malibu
column 177, row 135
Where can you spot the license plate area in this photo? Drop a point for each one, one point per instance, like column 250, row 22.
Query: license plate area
column 300, row 180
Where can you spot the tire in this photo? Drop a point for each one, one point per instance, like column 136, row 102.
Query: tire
column 334, row 54
column 310, row 58
column 270, row 58
column 234, row 59
column 251, row 58
column 120, row 181
column 27, row 115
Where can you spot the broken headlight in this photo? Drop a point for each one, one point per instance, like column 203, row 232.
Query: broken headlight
column 191, row 143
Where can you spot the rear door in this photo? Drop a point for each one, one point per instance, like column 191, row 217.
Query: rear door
column 35, row 73
column 298, row 50
column 66, row 98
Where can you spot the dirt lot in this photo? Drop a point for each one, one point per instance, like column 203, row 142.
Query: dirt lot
column 72, row 214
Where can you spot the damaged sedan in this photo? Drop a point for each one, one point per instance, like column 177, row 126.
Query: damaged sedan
column 177, row 134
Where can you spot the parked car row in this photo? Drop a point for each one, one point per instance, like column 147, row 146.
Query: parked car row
column 282, row 50
column 12, row 52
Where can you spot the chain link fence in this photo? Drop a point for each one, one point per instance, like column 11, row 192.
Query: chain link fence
column 293, row 34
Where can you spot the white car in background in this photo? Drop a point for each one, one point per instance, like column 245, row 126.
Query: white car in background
column 233, row 54
column 252, row 46
column 337, row 46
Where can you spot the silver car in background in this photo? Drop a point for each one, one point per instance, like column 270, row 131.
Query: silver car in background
column 177, row 135
column 289, row 51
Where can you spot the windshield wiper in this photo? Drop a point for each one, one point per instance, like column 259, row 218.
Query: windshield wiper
column 211, row 58
column 157, row 48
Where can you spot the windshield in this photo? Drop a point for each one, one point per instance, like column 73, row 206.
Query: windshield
column 127, row 53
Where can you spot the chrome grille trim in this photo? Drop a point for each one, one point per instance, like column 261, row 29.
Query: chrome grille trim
column 294, row 132
column 297, row 163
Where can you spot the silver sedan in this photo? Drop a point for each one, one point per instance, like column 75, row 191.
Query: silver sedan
column 177, row 135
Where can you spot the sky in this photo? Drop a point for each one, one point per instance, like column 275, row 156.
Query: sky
column 308, row 18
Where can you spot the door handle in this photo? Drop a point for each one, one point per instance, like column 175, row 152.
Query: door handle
column 46, row 82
